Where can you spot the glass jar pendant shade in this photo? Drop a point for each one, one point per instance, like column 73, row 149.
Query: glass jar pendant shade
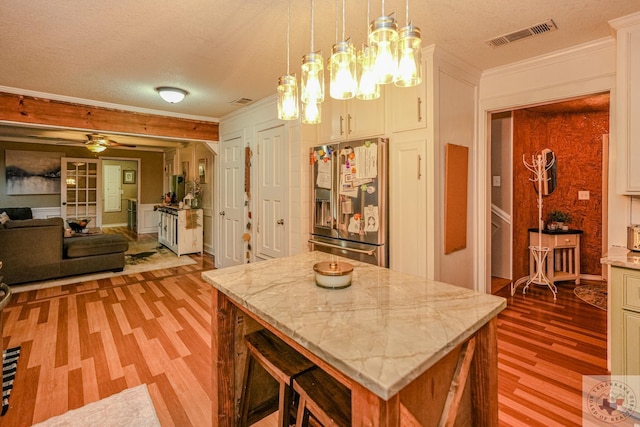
column 383, row 39
column 368, row 87
column 312, row 81
column 311, row 112
column 342, row 69
column 287, row 98
column 409, row 57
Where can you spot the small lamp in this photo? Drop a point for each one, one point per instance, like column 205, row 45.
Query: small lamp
column 172, row 95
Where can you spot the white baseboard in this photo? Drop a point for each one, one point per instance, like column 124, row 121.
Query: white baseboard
column 44, row 213
column 124, row 224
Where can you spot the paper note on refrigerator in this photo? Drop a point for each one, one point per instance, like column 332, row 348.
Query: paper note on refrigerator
column 324, row 174
column 371, row 218
column 367, row 158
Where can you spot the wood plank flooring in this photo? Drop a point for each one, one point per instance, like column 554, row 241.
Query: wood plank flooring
column 86, row 341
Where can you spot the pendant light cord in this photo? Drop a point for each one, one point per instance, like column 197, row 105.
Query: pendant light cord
column 407, row 14
column 312, row 26
column 288, row 33
column 343, row 21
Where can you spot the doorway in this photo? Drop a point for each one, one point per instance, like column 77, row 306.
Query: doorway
column 577, row 131
column 120, row 192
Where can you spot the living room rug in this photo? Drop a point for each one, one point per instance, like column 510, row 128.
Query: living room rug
column 9, row 368
column 131, row 407
column 593, row 294
column 140, row 257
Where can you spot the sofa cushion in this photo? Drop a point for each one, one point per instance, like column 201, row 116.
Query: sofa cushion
column 18, row 213
column 76, row 247
column 23, row 223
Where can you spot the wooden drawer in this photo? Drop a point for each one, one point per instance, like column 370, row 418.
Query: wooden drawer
column 554, row 240
column 631, row 292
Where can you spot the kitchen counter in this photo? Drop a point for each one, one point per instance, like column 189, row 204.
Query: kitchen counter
column 618, row 256
column 378, row 336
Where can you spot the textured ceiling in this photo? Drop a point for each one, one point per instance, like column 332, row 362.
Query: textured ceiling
column 221, row 50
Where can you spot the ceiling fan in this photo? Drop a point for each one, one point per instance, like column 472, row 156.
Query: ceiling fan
column 97, row 143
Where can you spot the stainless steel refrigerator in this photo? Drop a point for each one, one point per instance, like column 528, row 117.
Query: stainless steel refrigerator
column 349, row 185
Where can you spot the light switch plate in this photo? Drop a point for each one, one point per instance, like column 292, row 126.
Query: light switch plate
column 583, row 195
column 496, row 181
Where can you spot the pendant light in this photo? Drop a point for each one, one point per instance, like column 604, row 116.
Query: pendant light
column 342, row 65
column 409, row 55
column 384, row 41
column 288, row 85
column 311, row 113
column 368, row 87
column 312, row 82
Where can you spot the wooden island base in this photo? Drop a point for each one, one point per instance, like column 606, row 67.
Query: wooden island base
column 461, row 389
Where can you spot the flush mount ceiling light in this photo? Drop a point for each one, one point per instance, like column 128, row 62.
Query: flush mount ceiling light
column 172, row 95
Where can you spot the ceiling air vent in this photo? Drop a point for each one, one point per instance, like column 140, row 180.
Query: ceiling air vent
column 534, row 30
column 242, row 101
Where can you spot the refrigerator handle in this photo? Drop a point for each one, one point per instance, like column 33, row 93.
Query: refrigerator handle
column 335, row 194
column 329, row 245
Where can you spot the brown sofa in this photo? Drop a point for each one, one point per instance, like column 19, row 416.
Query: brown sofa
column 36, row 249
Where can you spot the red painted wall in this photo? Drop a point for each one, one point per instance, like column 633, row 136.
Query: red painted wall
column 576, row 139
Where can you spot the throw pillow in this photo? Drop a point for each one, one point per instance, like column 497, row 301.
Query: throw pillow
column 4, row 218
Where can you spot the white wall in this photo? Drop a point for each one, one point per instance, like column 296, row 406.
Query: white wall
column 582, row 70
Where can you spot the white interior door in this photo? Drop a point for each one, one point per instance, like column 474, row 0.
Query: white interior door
column 80, row 190
column 272, row 192
column 231, row 201
column 112, row 188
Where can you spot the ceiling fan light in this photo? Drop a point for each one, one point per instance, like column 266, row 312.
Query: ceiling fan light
column 95, row 147
column 409, row 57
column 172, row 95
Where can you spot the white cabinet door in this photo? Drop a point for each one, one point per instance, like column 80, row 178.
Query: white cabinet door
column 351, row 119
column 407, row 108
column 272, row 193
column 408, row 204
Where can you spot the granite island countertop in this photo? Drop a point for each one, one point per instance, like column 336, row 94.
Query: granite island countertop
column 383, row 331
column 618, row 256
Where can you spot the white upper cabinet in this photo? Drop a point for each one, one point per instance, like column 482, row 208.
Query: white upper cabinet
column 351, row 119
column 628, row 103
column 407, row 107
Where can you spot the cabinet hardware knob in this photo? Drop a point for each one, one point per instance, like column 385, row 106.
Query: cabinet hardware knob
column 280, row 222
column 222, row 213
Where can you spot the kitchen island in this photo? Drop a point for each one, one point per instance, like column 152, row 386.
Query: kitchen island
column 411, row 350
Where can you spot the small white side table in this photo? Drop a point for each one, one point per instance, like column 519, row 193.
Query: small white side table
column 563, row 260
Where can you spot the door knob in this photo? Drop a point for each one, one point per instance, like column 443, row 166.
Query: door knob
column 280, row 222
column 222, row 213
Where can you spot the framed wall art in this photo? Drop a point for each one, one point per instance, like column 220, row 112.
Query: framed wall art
column 202, row 170
column 32, row 172
column 128, row 176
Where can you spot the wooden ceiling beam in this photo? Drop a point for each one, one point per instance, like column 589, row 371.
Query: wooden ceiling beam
column 32, row 110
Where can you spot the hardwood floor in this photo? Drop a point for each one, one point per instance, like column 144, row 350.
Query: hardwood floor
column 83, row 342
column 544, row 348
column 86, row 341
